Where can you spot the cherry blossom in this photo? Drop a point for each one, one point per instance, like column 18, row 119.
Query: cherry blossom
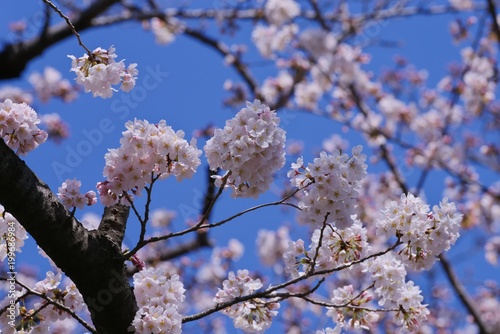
column 394, row 292
column 272, row 244
column 165, row 31
column 280, row 11
column 162, row 218
column 57, row 129
column 251, row 147
column 271, row 39
column 70, row 196
column 19, row 127
column 425, row 234
column 252, row 316
column 158, row 298
column 148, row 152
column 332, row 181
column 492, row 250
column 16, row 95
column 12, row 235
column 51, row 84
column 354, row 315
column 43, row 317
column 99, row 71
column 329, row 248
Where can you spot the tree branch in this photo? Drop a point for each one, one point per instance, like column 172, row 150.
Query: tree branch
column 15, row 57
column 463, row 295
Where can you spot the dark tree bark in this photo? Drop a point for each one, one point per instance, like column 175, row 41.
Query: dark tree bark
column 92, row 259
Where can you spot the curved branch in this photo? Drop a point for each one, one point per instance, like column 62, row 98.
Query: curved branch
column 58, row 305
column 15, row 57
column 269, row 292
column 224, row 50
column 463, row 295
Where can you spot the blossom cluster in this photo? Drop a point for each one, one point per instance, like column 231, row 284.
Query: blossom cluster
column 395, row 293
column 270, row 39
column 214, row 271
column 12, row 234
column 148, row 152
column 19, row 127
column 479, row 83
column 70, row 196
column 165, row 31
column 56, row 128
column 329, row 248
column 15, row 94
column 51, row 84
column 332, row 181
column 158, row 298
column 251, row 147
column 252, row 316
column 425, row 234
column 359, row 317
column 279, row 12
column 99, row 71
column 45, row 317
column 271, row 245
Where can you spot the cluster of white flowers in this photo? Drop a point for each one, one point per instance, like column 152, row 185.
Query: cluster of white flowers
column 332, row 181
column 271, row 245
column 99, row 72
column 389, row 281
column 15, row 94
column 158, row 298
column 215, row 270
column 43, row 317
column 51, row 84
column 270, row 39
column 56, row 128
column 281, row 11
column 251, row 147
column 148, row 151
column 357, row 302
column 462, row 4
column 492, row 250
column 479, row 81
column 165, row 31
column 69, row 297
column 252, row 316
column 19, row 127
column 273, row 87
column 161, row 218
column 329, row 248
column 12, row 234
column 424, row 234
column 70, row 196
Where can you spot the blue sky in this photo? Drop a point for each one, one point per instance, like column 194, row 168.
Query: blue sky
column 189, row 96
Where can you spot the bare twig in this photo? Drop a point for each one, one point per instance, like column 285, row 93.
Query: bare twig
column 56, row 304
column 269, row 293
column 70, row 25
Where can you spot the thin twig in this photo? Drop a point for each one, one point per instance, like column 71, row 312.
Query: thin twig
column 56, row 304
column 70, row 25
column 269, row 292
